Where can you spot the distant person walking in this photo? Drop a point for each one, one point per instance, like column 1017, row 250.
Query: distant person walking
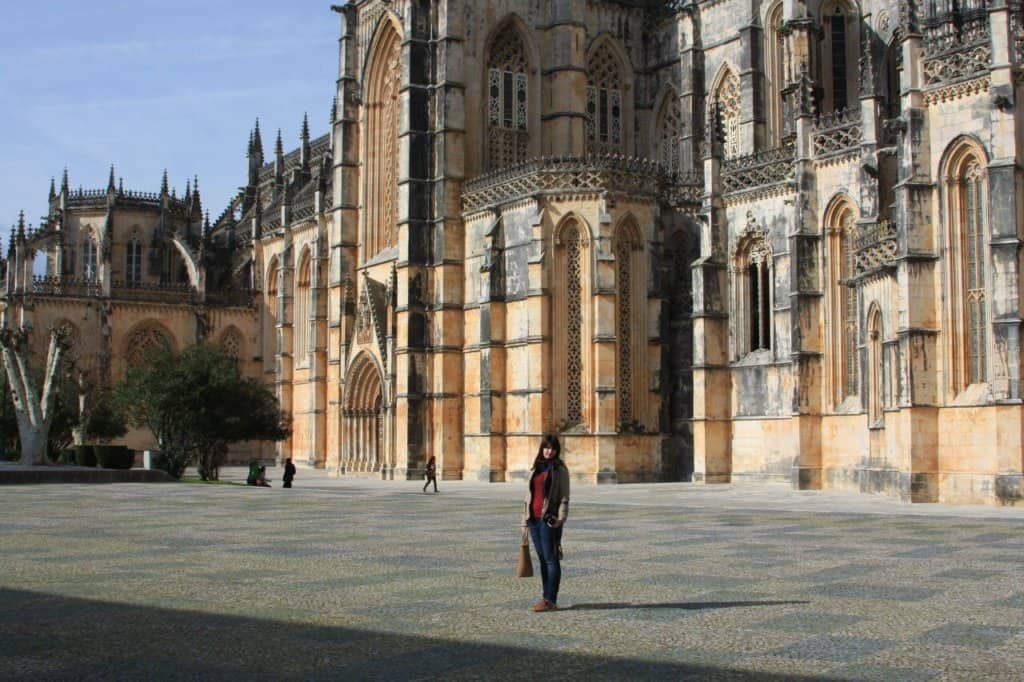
column 289, row 473
column 431, row 473
column 545, row 510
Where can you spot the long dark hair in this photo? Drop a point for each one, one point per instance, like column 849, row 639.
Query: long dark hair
column 549, row 440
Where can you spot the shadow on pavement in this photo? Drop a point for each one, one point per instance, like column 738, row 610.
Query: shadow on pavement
column 688, row 606
column 49, row 636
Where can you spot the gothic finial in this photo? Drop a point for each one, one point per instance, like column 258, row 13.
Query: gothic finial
column 206, row 225
column 195, row 194
column 110, row 181
column 64, row 182
column 120, row 185
column 188, row 190
column 163, row 184
column 21, row 225
column 305, row 126
column 53, row 188
column 279, row 145
column 257, row 141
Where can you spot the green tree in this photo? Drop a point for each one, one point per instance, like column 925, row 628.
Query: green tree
column 196, row 404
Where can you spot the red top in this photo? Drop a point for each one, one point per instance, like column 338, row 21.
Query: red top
column 537, row 495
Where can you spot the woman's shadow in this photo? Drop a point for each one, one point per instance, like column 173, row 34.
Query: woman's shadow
column 685, row 606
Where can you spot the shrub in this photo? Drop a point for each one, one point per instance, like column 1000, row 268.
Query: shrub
column 113, row 456
column 84, row 456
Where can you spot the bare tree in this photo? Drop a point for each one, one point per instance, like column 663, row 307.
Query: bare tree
column 34, row 412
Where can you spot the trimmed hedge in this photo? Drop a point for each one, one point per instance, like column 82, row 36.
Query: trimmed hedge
column 84, row 456
column 114, row 456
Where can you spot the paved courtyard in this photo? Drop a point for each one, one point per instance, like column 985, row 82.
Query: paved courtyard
column 356, row 580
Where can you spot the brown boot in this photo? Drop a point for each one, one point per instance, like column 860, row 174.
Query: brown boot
column 544, row 605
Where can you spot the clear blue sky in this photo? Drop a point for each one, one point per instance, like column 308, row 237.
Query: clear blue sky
column 149, row 85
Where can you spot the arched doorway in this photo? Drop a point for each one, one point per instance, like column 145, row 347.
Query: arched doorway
column 362, row 419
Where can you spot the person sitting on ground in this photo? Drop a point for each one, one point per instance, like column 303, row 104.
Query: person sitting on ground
column 254, row 473
column 262, row 481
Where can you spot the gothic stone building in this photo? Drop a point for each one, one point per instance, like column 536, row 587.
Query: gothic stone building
column 715, row 239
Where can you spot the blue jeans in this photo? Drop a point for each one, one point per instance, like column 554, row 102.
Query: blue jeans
column 546, row 541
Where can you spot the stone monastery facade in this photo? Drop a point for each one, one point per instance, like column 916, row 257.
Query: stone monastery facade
column 715, row 240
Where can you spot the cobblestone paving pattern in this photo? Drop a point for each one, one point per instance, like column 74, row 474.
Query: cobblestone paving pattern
column 374, row 580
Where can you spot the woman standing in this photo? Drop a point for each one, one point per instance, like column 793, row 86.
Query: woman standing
column 431, row 474
column 544, row 513
column 289, row 472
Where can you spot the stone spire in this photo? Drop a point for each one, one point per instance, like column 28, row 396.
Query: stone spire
column 257, row 143
column 111, row 186
column 163, row 184
column 304, row 146
column 64, row 182
column 53, row 188
column 278, row 158
column 21, row 226
column 197, row 203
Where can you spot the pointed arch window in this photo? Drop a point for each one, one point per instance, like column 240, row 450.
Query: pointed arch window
column 967, row 192
column 875, row 358
column 133, row 261
column 574, row 327
column 570, row 318
column 727, row 106
column 753, row 275
column 270, row 347
column 626, row 248
column 90, row 259
column 604, row 103
column 670, row 133
column 507, row 100
column 302, row 298
column 839, row 56
column 972, row 221
column 380, row 200
column 843, row 303
column 774, row 75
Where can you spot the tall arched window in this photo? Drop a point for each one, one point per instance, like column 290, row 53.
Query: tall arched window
column 570, row 318
column 972, row 220
column 90, row 259
column 727, row 105
column 605, row 130
column 840, row 48
column 626, row 247
column 669, row 132
column 875, row 338
column 380, row 200
column 270, row 316
column 967, row 198
column 842, row 301
column 133, row 260
column 773, row 85
column 753, row 274
column 507, row 98
column 301, row 324
column 966, row 180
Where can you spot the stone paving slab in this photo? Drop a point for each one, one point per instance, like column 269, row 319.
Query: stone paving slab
column 376, row 580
